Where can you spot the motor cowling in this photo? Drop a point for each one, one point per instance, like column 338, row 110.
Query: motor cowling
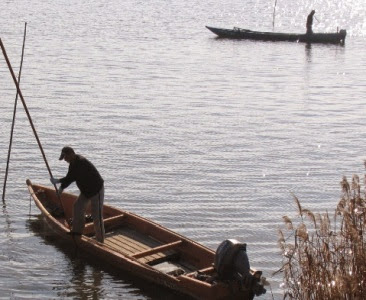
column 231, row 259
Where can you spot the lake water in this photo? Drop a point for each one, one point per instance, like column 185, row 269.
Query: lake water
column 208, row 137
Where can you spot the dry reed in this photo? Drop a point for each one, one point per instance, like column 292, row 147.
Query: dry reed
column 322, row 260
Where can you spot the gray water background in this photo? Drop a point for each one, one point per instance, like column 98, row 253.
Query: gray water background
column 208, row 137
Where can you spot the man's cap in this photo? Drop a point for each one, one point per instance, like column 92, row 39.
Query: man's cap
column 66, row 150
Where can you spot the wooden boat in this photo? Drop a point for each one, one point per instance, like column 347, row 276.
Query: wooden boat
column 239, row 33
column 146, row 249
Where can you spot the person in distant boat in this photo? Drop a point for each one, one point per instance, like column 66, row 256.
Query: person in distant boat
column 91, row 186
column 309, row 23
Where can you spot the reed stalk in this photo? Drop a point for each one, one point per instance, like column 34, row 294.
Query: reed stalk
column 325, row 258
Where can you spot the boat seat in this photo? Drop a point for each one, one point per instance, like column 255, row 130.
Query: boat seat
column 108, row 224
column 159, row 258
column 157, row 249
column 159, row 254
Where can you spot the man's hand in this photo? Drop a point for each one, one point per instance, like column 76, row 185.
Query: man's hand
column 54, row 181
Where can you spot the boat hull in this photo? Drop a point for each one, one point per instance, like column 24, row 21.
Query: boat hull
column 143, row 248
column 239, row 33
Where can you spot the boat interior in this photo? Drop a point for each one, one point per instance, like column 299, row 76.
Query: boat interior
column 137, row 238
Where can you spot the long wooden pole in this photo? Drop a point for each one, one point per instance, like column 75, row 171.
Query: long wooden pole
column 28, row 114
column 274, row 14
column 14, row 114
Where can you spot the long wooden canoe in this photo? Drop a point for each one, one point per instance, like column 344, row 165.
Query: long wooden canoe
column 146, row 249
column 239, row 33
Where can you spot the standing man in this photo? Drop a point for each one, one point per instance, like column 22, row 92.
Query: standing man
column 309, row 23
column 91, row 186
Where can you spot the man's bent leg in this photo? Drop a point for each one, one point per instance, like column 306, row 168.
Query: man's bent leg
column 78, row 220
column 97, row 214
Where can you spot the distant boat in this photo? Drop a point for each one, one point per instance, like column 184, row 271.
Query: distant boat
column 239, row 33
column 146, row 249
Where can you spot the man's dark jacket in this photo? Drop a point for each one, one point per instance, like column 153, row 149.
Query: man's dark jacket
column 86, row 176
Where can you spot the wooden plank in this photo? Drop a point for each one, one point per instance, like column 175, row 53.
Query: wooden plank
column 117, row 248
column 128, row 241
column 131, row 245
column 125, row 247
column 122, row 248
column 111, row 221
column 137, row 241
column 157, row 249
column 138, row 236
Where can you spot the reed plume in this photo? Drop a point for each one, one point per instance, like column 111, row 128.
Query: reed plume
column 322, row 260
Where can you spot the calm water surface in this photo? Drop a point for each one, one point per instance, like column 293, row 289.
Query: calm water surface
column 207, row 137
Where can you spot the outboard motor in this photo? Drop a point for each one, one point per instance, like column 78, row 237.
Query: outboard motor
column 231, row 259
column 232, row 264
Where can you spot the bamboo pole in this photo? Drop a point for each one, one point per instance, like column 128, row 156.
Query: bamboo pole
column 14, row 114
column 274, row 15
column 28, row 115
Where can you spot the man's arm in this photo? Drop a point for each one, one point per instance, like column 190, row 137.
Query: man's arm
column 69, row 178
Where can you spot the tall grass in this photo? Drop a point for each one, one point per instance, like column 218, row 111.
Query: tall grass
column 324, row 257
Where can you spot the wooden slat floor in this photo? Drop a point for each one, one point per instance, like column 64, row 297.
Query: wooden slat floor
column 127, row 241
